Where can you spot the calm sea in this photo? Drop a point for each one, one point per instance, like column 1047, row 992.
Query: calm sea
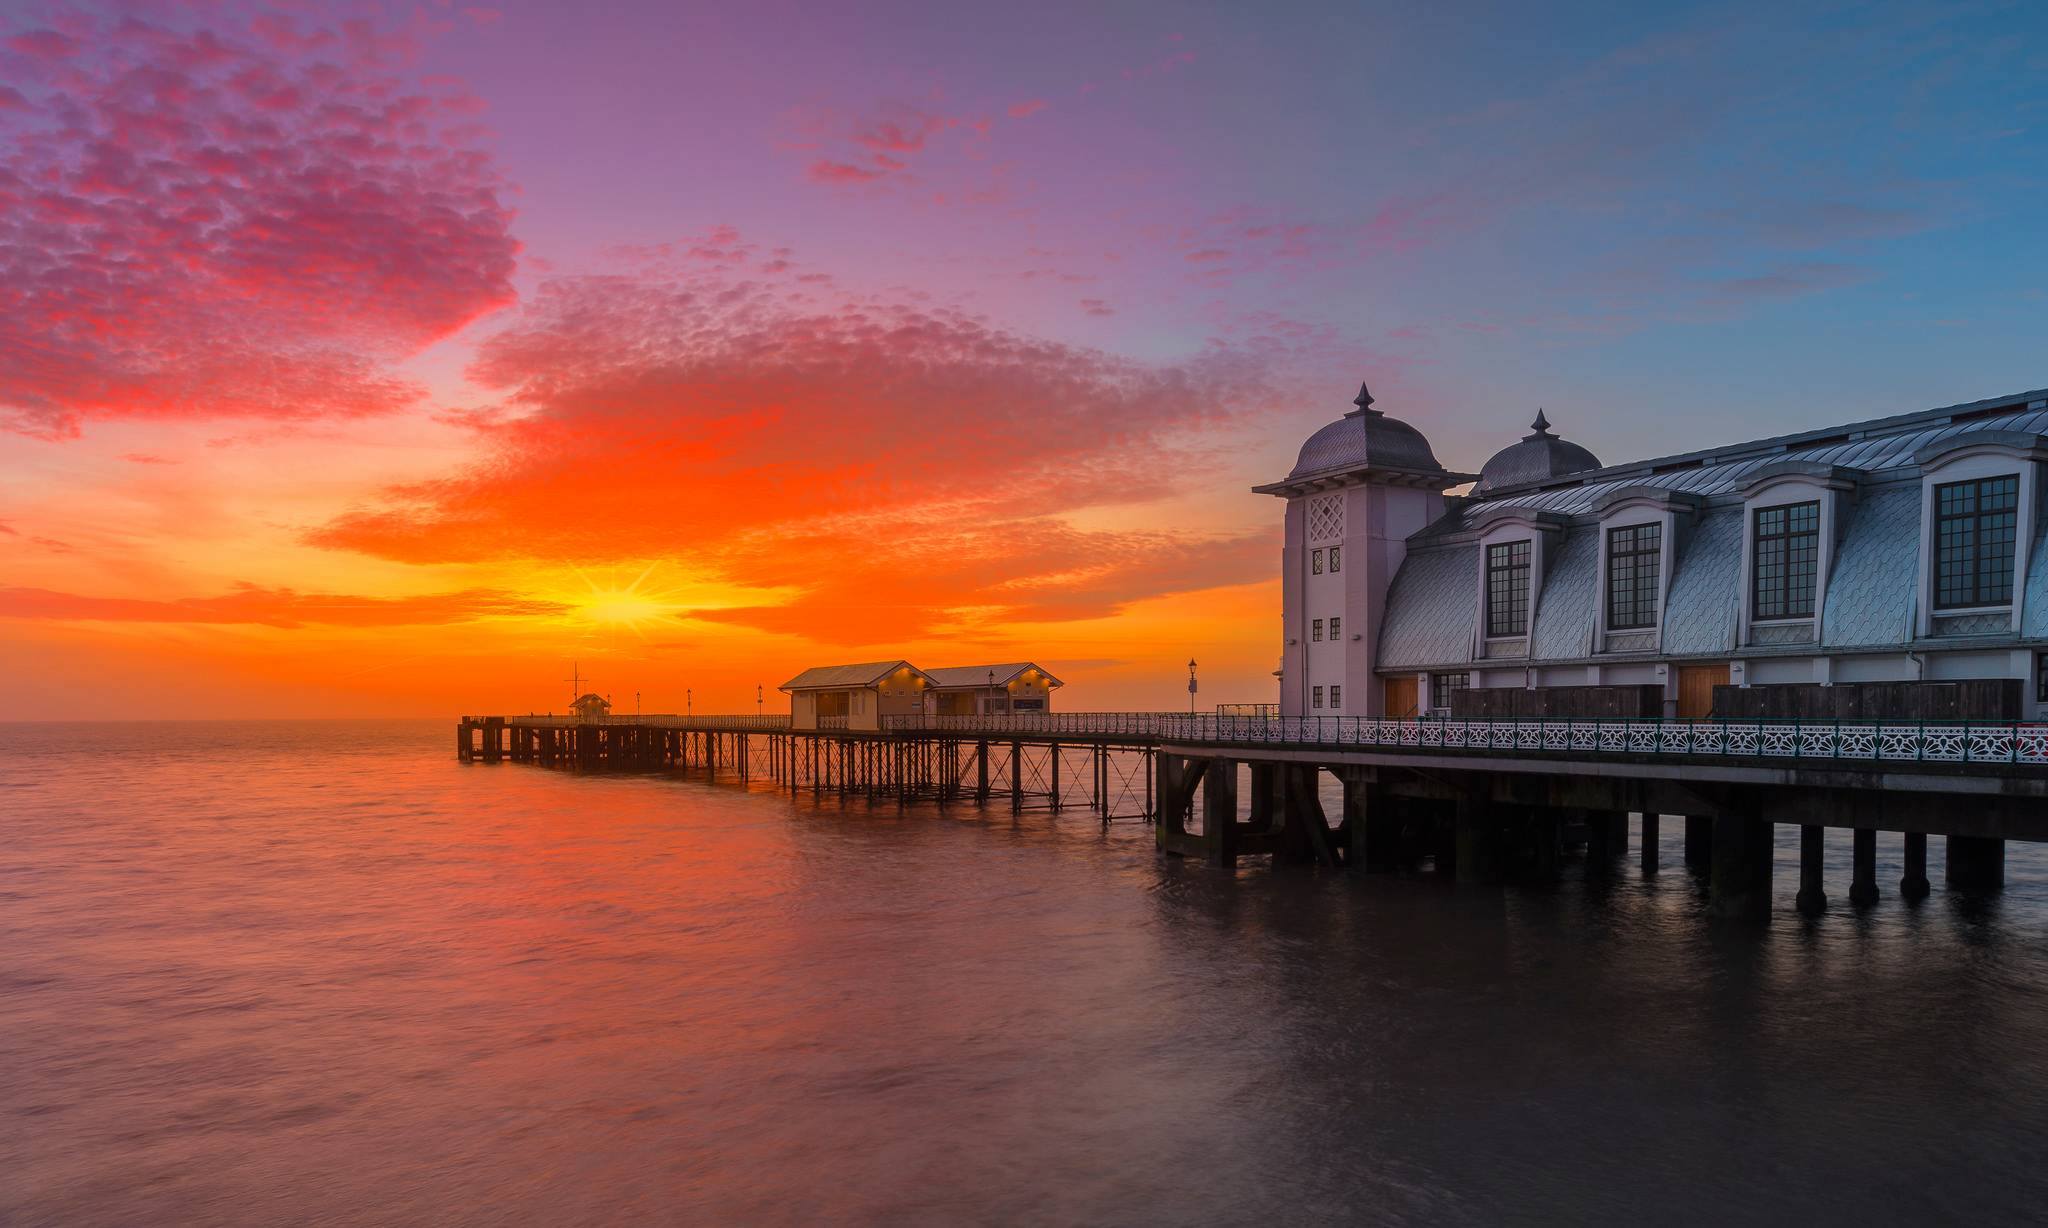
column 321, row 973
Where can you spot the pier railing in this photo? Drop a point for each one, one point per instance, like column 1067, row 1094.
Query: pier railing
column 1879, row 741
column 659, row 720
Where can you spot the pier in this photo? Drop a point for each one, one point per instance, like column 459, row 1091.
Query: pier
column 1487, row 801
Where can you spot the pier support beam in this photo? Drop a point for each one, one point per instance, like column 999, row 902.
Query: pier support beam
column 1372, row 825
column 1976, row 862
column 1219, row 813
column 1863, row 874
column 1741, row 886
column 1650, row 837
column 1699, row 841
column 1913, row 883
column 1478, row 837
column 1812, row 899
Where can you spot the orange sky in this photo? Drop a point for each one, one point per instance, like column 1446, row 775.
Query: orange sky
column 358, row 362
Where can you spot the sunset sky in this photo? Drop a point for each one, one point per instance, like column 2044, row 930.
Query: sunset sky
column 366, row 361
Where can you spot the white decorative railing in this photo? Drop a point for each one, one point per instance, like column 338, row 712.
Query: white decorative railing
column 1879, row 741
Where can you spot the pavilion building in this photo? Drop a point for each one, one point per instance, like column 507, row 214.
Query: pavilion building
column 1906, row 549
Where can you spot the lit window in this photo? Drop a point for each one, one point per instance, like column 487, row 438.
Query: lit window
column 1336, row 697
column 1315, row 562
column 1632, row 559
column 1336, row 558
column 1315, row 697
column 1785, row 561
column 1507, row 589
column 1315, row 631
column 1975, row 526
column 1336, row 628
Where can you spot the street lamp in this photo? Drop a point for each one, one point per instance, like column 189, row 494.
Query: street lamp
column 757, row 700
column 991, row 692
column 1191, row 686
column 687, row 707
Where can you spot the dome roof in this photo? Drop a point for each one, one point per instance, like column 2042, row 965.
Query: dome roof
column 1365, row 438
column 1539, row 455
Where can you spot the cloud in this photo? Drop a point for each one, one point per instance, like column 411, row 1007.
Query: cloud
column 1788, row 280
column 143, row 458
column 1025, row 110
column 1097, row 307
column 831, row 451
column 196, row 225
column 276, row 607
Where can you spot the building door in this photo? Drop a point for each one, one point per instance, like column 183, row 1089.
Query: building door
column 1696, row 685
column 1401, row 695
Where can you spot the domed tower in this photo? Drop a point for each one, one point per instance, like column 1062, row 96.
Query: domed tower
column 1359, row 489
column 1539, row 456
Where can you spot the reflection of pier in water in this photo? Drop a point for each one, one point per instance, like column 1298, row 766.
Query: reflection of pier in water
column 1487, row 800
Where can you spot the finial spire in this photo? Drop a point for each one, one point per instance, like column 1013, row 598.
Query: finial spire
column 1542, row 424
column 1364, row 400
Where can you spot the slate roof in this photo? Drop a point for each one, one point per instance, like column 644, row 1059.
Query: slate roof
column 1871, row 590
column 1431, row 609
column 955, row 677
column 1699, row 616
column 835, row 677
column 1870, row 595
column 1538, row 455
column 1872, row 446
column 2034, row 618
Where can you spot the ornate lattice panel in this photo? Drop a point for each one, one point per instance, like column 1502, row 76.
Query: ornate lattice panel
column 1326, row 518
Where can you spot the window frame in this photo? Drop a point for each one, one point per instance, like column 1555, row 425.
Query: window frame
column 1336, row 696
column 1789, row 540
column 1648, row 611
column 1315, row 631
column 1315, row 696
column 1336, row 559
column 1440, row 692
column 1336, row 627
column 1507, row 610
column 1975, row 597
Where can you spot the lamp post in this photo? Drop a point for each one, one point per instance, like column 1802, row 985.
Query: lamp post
column 1191, row 686
column 687, row 706
column 991, row 692
column 757, row 701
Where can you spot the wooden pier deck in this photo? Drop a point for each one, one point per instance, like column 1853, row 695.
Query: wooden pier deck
column 1487, row 800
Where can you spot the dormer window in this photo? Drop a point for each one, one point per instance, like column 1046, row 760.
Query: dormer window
column 1785, row 561
column 1507, row 589
column 1633, row 558
column 1976, row 525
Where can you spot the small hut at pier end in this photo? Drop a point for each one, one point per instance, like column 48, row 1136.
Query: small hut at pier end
column 854, row 696
column 986, row 690
column 1892, row 567
column 591, row 707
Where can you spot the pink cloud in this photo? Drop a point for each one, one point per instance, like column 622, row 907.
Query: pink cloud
column 1025, row 110
column 823, row 171
column 196, row 226
column 44, row 45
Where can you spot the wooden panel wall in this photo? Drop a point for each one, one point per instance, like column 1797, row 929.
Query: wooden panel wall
column 1975, row 699
column 1529, row 703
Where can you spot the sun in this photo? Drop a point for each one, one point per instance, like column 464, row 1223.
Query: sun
column 634, row 606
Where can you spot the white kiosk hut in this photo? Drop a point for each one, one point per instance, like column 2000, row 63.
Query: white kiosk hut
column 854, row 696
column 987, row 690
